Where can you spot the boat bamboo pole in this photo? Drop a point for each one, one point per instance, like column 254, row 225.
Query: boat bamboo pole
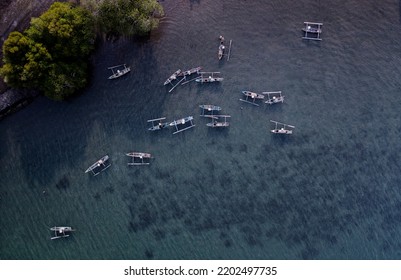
column 229, row 50
column 176, row 84
column 116, row 66
column 190, row 80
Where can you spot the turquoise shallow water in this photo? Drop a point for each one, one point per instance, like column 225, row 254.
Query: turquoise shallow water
column 330, row 191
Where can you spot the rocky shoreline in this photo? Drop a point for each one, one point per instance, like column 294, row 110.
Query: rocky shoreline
column 16, row 16
column 13, row 100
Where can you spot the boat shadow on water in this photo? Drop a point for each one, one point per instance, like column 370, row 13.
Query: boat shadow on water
column 282, row 139
column 219, row 132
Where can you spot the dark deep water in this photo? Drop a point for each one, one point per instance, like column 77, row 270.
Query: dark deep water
column 330, row 191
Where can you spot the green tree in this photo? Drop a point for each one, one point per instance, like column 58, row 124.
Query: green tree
column 128, row 17
column 25, row 61
column 52, row 53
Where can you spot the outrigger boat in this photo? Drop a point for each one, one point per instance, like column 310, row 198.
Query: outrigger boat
column 139, row 158
column 312, row 30
column 99, row 166
column 222, row 49
column 274, row 97
column 157, row 124
column 61, row 232
column 119, row 73
column 182, row 122
column 283, row 128
column 253, row 96
column 190, row 72
column 209, row 108
column 172, row 77
column 216, row 123
column 208, row 77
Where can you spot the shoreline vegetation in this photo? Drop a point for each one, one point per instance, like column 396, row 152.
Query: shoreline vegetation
column 52, row 56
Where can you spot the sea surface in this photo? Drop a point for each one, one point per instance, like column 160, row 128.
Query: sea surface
column 332, row 190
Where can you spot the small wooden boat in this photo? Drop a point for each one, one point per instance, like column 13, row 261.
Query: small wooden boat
column 215, row 123
column 139, row 158
column 61, row 232
column 118, row 73
column 281, row 131
column 172, row 77
column 218, row 124
column 281, row 128
column 220, row 53
column 99, row 166
column 190, row 72
column 209, row 107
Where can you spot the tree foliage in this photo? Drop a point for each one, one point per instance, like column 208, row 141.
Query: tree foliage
column 128, row 17
column 51, row 55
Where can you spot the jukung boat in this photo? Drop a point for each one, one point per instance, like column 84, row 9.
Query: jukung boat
column 138, row 158
column 215, row 123
column 61, row 232
column 281, row 128
column 119, row 73
column 172, row 77
column 221, row 51
column 253, row 96
column 99, row 166
column 312, row 30
column 209, row 107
